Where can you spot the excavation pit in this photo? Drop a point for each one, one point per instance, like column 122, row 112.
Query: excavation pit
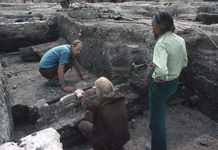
column 111, row 46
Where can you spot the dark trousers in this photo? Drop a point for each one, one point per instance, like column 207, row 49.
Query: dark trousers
column 53, row 71
column 86, row 127
column 158, row 94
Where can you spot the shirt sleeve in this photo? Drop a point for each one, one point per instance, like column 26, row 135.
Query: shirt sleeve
column 88, row 104
column 160, row 62
column 185, row 62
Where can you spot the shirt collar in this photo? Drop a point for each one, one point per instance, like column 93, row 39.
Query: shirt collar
column 167, row 33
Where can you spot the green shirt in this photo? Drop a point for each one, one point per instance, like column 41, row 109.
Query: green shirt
column 169, row 57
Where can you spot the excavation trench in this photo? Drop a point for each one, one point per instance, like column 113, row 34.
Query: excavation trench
column 48, row 110
column 118, row 51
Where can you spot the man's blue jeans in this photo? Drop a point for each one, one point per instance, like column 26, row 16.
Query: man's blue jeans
column 158, row 94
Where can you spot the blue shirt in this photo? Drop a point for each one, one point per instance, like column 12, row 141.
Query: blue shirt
column 169, row 57
column 57, row 55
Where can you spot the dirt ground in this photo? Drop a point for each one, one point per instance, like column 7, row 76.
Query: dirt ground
column 186, row 128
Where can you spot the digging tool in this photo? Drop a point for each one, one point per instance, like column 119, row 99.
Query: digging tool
column 137, row 66
column 10, row 73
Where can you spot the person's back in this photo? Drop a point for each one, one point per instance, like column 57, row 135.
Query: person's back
column 169, row 58
column 111, row 122
column 110, row 128
column 176, row 51
column 57, row 55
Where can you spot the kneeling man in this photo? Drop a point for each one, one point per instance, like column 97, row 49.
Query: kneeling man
column 58, row 61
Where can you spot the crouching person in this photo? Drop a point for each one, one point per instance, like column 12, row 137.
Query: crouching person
column 110, row 130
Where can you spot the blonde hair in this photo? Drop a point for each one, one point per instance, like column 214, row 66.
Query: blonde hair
column 77, row 42
column 104, row 87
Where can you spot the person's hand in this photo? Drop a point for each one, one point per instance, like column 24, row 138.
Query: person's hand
column 85, row 77
column 67, row 88
column 78, row 92
column 94, row 87
column 159, row 81
column 152, row 65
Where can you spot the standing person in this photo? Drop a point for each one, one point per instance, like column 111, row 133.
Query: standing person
column 58, row 61
column 110, row 130
column 169, row 58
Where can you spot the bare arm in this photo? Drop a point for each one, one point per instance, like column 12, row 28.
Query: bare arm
column 152, row 65
column 61, row 78
column 76, row 65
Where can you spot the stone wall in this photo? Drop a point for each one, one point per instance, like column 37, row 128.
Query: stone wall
column 110, row 49
column 6, row 126
column 38, row 29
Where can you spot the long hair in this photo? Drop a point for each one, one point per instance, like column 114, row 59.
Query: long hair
column 104, row 87
column 164, row 21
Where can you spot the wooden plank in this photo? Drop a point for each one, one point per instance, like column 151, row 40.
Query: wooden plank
column 41, row 49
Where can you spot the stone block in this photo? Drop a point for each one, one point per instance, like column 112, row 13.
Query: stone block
column 186, row 30
column 69, row 97
column 84, row 14
column 40, row 122
column 207, row 18
column 40, row 103
column 134, row 48
column 59, row 105
column 105, row 15
column 61, row 113
column 10, row 146
column 45, row 139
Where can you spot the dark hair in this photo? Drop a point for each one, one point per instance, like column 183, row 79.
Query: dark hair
column 164, row 21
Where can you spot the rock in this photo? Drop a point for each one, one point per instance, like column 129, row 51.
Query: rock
column 10, row 146
column 84, row 14
column 187, row 30
column 47, row 139
column 194, row 99
column 176, row 101
column 8, row 75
